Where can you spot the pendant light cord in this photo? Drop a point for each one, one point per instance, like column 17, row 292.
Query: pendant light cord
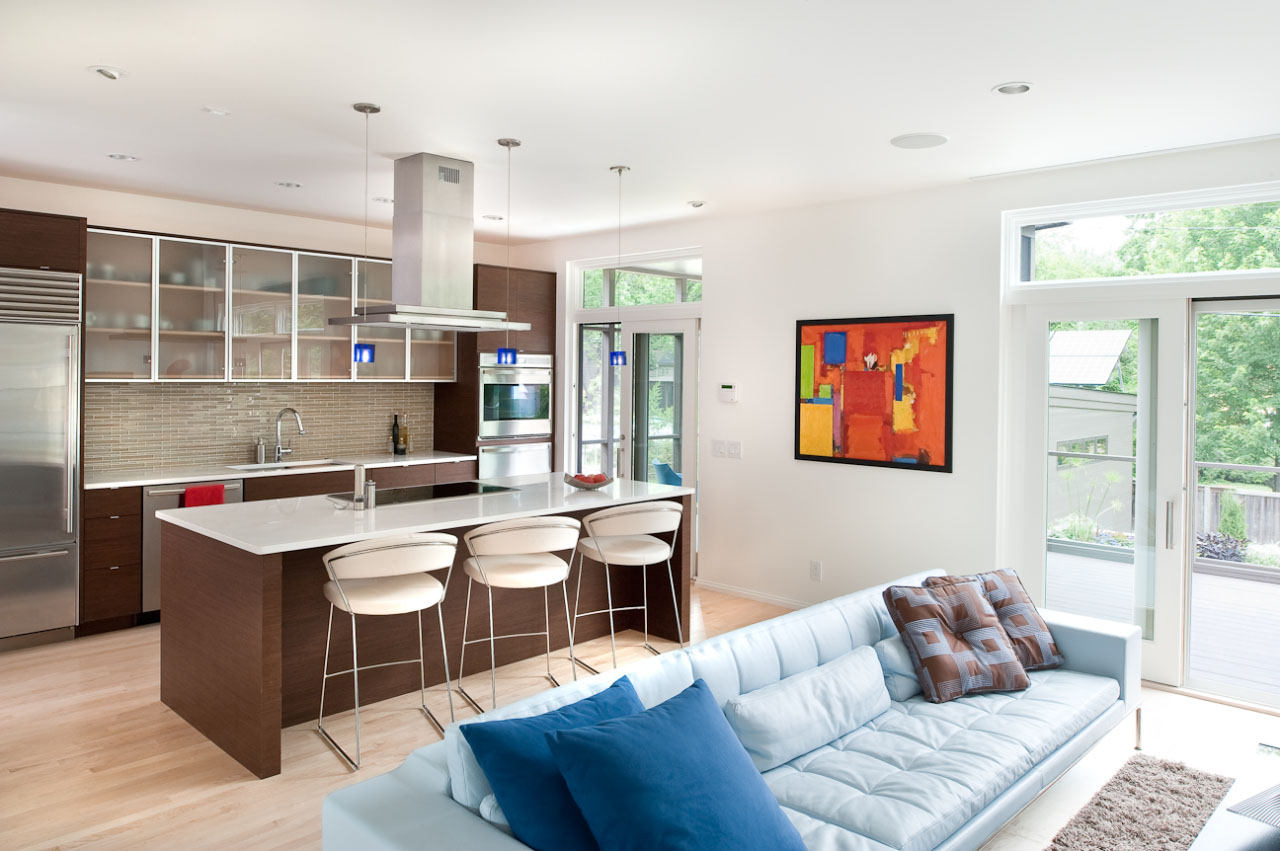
column 366, row 211
column 508, row 309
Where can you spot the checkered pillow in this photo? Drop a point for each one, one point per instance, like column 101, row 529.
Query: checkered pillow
column 954, row 637
column 1027, row 631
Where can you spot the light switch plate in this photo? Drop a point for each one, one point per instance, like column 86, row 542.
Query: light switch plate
column 718, row 448
column 735, row 449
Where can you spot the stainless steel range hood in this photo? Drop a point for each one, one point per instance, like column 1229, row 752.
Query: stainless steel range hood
column 432, row 252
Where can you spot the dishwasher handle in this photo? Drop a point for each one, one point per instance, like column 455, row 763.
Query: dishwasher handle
column 180, row 491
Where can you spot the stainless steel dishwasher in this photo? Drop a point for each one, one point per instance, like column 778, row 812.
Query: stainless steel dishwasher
column 155, row 499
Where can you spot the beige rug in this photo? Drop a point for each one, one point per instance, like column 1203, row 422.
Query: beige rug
column 1149, row 805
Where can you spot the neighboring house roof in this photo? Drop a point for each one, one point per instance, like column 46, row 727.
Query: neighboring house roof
column 1085, row 357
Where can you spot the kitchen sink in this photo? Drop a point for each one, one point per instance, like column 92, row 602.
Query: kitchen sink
column 284, row 465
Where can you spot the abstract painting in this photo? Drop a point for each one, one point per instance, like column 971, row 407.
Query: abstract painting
column 875, row 391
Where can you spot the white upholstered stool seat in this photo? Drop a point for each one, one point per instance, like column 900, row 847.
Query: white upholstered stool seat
column 386, row 595
column 626, row 550
column 528, row 570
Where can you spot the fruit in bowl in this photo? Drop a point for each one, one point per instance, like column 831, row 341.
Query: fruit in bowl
column 586, row 482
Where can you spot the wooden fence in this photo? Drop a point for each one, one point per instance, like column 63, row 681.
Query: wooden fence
column 1261, row 512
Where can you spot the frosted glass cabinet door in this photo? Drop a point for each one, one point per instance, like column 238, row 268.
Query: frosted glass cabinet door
column 261, row 313
column 117, row 307
column 324, row 290
column 373, row 279
column 431, row 355
column 192, row 302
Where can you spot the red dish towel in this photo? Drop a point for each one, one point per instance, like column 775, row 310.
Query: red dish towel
column 203, row 495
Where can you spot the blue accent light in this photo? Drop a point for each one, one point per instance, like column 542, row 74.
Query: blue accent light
column 506, row 356
column 618, row 358
column 364, row 353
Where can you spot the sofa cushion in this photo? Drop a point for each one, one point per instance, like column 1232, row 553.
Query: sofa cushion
column 517, row 761
column 672, row 777
column 899, row 672
column 1027, row 631
column 912, row 776
column 779, row 722
column 955, row 640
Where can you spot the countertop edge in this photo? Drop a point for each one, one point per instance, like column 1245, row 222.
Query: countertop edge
column 211, row 473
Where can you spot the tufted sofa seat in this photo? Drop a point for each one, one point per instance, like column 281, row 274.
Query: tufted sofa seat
column 919, row 776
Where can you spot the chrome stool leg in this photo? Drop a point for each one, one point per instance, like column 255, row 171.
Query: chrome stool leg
column 644, row 584
column 573, row 663
column 422, row 674
column 546, row 611
column 355, row 681
column 675, row 604
column 493, row 655
column 573, row 632
column 462, row 662
column 608, row 591
column 444, row 652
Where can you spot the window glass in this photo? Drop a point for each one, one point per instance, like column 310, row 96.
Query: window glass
column 693, row 290
column 636, row 288
column 593, row 288
column 1207, row 239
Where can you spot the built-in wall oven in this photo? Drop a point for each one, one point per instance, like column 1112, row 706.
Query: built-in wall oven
column 515, row 400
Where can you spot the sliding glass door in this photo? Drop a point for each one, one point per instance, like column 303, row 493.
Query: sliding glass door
column 1110, row 385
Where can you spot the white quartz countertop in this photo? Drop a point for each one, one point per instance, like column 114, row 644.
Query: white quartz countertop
column 283, row 525
column 222, row 472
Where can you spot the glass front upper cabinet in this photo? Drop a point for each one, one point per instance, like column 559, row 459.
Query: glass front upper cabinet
column 431, row 355
column 191, row 308
column 117, row 307
column 261, row 314
column 373, row 279
column 324, row 290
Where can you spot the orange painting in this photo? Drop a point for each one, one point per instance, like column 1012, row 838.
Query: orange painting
column 875, row 391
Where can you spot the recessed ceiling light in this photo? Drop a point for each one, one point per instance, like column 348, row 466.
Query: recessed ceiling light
column 108, row 71
column 1014, row 88
column 213, row 110
column 288, row 184
column 491, row 217
column 124, row 158
column 694, row 204
column 918, row 140
column 383, row 199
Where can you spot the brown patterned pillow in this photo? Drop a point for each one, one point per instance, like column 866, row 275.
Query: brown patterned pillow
column 954, row 637
column 1027, row 631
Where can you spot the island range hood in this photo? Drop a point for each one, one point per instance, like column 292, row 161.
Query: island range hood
column 432, row 253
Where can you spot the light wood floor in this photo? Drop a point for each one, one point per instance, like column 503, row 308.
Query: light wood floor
column 90, row 758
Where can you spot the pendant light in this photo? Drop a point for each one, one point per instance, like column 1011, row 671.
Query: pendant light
column 507, row 354
column 618, row 357
column 364, row 352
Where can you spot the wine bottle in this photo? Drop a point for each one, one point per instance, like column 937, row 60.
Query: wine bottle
column 395, row 433
column 402, row 448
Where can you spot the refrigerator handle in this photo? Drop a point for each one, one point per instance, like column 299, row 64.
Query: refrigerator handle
column 73, row 426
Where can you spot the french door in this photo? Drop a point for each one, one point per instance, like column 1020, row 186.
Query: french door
column 639, row 420
column 1106, row 391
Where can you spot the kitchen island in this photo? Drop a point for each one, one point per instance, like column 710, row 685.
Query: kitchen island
column 244, row 615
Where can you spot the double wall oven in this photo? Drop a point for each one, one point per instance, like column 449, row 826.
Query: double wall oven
column 515, row 405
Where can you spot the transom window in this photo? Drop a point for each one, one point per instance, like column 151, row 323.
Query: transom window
column 635, row 287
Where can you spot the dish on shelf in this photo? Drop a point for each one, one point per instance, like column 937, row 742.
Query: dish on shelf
column 586, row 486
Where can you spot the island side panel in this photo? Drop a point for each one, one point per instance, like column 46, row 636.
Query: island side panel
column 220, row 665
column 394, row 637
column 662, row 620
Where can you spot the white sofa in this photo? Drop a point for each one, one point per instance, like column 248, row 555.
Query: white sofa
column 919, row 776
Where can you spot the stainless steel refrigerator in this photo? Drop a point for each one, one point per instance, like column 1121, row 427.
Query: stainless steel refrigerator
column 39, row 451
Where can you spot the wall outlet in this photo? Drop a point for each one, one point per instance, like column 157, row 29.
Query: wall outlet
column 735, row 449
column 815, row 571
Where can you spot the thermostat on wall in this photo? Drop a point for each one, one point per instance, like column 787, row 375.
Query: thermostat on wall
column 728, row 392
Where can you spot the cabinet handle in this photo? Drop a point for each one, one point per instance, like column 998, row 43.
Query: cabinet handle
column 114, row 567
column 114, row 517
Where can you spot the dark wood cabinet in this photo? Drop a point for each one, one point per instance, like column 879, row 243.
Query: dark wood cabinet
column 110, row 560
column 413, row 475
column 456, row 471
column 300, row 484
column 42, row 241
column 533, row 300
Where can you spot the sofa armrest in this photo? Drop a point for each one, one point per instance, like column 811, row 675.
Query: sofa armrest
column 402, row 810
column 1102, row 647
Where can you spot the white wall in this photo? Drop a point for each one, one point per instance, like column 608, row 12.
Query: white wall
column 108, row 208
column 937, row 251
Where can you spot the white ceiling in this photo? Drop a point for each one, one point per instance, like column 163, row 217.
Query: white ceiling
column 744, row 105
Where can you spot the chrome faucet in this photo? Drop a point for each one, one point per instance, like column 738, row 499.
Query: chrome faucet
column 280, row 450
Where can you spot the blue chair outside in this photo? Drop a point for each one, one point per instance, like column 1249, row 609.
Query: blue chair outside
column 666, row 475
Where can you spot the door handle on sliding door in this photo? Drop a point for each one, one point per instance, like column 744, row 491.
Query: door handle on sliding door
column 1168, row 525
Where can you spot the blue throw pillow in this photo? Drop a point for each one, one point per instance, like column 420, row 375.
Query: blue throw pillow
column 516, row 757
column 673, row 777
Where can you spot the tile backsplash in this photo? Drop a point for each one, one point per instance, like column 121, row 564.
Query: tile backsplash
column 134, row 426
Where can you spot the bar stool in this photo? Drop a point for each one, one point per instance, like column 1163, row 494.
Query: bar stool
column 387, row 576
column 517, row 554
column 624, row 537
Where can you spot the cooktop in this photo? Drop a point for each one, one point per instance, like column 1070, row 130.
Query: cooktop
column 422, row 493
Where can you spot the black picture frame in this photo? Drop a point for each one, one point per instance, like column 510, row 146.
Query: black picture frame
column 949, row 384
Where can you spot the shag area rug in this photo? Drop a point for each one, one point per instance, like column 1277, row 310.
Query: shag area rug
column 1149, row 805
